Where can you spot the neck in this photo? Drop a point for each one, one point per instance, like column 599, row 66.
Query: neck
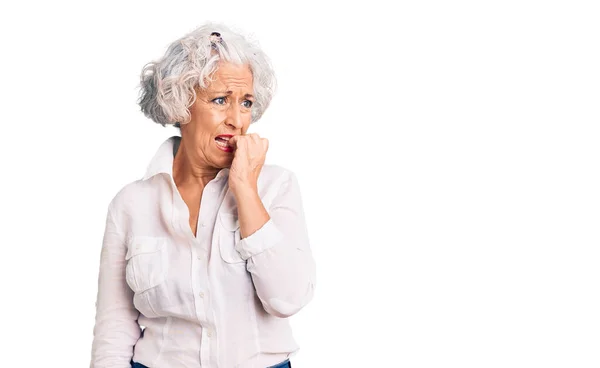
column 186, row 172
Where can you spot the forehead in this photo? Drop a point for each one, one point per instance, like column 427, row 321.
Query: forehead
column 229, row 75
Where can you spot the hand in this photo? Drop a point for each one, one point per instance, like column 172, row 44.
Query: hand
column 249, row 156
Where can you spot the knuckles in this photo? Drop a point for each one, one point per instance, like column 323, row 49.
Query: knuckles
column 250, row 140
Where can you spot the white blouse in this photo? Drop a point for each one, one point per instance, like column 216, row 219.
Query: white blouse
column 210, row 301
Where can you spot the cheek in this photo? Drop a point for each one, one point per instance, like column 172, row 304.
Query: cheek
column 210, row 118
column 207, row 126
column 215, row 113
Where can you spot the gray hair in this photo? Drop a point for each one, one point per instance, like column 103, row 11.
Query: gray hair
column 167, row 86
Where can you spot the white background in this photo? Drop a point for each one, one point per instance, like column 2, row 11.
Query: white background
column 447, row 152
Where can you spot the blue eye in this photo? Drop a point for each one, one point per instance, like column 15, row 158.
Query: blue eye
column 216, row 100
column 249, row 105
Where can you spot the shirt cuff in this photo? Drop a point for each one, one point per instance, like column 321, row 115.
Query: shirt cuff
column 259, row 241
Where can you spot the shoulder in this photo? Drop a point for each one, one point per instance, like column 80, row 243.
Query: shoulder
column 275, row 175
column 277, row 181
column 129, row 195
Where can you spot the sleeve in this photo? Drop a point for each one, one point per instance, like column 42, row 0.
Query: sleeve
column 278, row 254
column 116, row 328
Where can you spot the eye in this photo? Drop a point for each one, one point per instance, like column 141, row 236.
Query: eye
column 219, row 100
column 248, row 104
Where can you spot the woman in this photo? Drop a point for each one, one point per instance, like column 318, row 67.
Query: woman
column 209, row 250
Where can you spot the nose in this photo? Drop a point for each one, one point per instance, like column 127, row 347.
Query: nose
column 234, row 117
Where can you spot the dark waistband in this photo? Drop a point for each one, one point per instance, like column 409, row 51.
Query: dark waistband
column 285, row 364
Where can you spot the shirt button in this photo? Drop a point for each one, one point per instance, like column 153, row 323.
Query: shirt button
column 202, row 224
column 201, row 294
column 208, row 333
column 199, row 257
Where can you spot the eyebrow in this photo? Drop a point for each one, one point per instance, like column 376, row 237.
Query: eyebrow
column 229, row 93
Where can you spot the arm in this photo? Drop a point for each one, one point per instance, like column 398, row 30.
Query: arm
column 116, row 329
column 276, row 245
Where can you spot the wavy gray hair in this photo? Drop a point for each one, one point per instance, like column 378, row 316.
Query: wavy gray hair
column 167, row 86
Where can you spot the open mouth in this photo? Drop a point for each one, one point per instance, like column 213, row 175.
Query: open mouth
column 222, row 143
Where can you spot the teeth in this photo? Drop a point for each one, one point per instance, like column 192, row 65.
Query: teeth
column 222, row 144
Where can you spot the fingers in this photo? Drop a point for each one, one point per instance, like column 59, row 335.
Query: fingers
column 260, row 142
column 232, row 142
column 253, row 137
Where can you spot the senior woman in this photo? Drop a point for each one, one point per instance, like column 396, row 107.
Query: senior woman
column 209, row 251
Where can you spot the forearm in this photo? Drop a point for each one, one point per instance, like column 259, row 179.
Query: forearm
column 252, row 214
column 284, row 277
column 276, row 246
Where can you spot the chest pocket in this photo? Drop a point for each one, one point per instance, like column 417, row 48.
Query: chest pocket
column 229, row 236
column 146, row 262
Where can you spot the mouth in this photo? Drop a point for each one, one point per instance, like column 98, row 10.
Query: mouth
column 222, row 142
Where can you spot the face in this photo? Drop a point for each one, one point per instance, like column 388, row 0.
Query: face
column 224, row 107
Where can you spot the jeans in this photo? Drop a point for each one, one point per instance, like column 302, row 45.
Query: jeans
column 284, row 364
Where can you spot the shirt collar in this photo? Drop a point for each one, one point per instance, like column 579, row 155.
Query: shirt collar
column 162, row 162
